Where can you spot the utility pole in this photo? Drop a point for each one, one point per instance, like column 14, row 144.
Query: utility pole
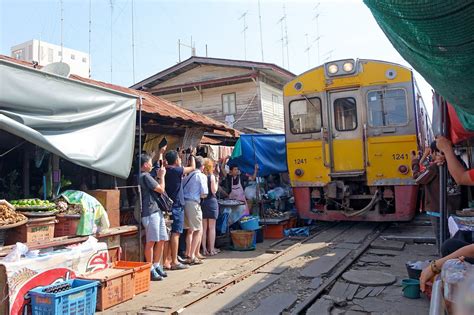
column 260, row 24
column 133, row 48
column 90, row 35
column 62, row 27
column 111, row 38
column 243, row 17
column 318, row 36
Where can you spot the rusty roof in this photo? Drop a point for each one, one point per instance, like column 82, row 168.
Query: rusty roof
column 151, row 104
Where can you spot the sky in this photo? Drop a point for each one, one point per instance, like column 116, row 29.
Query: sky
column 346, row 29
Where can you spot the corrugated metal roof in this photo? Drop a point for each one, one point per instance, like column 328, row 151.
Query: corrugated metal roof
column 150, row 103
column 195, row 61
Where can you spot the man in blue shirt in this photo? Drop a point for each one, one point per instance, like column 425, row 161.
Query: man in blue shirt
column 173, row 180
column 194, row 188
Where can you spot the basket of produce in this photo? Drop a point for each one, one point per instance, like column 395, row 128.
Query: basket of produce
column 250, row 223
column 10, row 218
column 64, row 208
column 33, row 205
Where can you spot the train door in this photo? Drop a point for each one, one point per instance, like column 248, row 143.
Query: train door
column 346, row 130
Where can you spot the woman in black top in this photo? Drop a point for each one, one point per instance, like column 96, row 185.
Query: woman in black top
column 210, row 211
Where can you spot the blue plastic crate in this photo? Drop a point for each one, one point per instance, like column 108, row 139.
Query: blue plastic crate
column 81, row 299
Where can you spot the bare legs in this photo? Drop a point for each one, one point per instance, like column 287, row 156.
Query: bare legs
column 174, row 244
column 154, row 251
column 193, row 239
column 212, row 236
column 209, row 236
column 204, row 236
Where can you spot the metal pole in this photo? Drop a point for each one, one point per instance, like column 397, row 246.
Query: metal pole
column 443, row 174
column 140, row 250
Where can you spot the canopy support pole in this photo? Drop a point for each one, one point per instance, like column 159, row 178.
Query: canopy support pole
column 140, row 245
column 443, row 175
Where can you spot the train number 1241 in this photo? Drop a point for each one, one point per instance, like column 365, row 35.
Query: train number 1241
column 300, row 161
column 400, row 156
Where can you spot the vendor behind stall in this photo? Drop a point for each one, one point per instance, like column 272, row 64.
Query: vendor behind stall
column 234, row 182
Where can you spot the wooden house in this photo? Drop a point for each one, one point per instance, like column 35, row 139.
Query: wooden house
column 239, row 93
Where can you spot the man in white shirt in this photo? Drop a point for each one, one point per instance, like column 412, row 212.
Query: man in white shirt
column 194, row 188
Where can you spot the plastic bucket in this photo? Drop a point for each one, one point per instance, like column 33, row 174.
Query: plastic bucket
column 249, row 223
column 242, row 239
column 411, row 288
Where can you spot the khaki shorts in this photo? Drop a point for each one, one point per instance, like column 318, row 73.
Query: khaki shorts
column 192, row 216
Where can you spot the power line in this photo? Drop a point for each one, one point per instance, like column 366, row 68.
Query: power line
column 133, row 48
column 243, row 17
column 62, row 26
column 282, row 39
column 260, row 24
column 111, row 38
column 286, row 36
column 307, row 49
column 318, row 36
column 90, row 35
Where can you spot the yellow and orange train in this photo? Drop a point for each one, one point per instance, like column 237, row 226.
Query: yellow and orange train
column 351, row 126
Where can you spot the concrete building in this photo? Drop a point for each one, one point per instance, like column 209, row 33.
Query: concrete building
column 243, row 94
column 45, row 53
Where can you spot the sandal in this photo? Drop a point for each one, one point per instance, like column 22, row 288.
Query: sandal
column 179, row 266
column 195, row 261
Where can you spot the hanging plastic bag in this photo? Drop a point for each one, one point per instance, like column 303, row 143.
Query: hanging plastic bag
column 18, row 250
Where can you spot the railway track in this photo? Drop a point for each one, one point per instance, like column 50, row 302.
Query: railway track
column 301, row 271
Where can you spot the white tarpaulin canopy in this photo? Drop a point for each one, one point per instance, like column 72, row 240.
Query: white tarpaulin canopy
column 85, row 124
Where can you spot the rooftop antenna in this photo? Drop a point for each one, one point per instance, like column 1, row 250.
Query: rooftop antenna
column 282, row 39
column 62, row 22
column 318, row 36
column 329, row 55
column 243, row 17
column 286, row 38
column 307, row 49
column 111, row 37
column 90, row 35
column 133, row 48
column 192, row 47
column 260, row 25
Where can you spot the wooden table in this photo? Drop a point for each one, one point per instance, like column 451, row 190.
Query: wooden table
column 110, row 236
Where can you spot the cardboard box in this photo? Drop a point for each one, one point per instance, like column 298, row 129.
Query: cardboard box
column 110, row 199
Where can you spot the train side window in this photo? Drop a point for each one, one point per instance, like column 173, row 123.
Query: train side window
column 387, row 108
column 305, row 116
column 345, row 114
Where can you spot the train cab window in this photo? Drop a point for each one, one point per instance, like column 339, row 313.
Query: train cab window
column 305, row 116
column 345, row 114
column 387, row 108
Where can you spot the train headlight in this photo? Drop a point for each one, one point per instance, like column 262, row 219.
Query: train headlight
column 403, row 169
column 348, row 67
column 332, row 69
column 299, row 172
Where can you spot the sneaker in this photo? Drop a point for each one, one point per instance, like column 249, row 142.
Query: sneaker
column 181, row 260
column 161, row 272
column 155, row 276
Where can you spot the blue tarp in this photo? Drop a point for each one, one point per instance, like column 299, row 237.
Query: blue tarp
column 269, row 151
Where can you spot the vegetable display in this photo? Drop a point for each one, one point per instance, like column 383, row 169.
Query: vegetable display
column 9, row 216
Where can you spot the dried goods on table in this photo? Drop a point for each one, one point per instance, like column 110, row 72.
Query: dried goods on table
column 9, row 216
column 272, row 213
column 65, row 208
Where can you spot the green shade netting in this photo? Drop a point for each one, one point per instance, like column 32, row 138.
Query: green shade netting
column 437, row 39
column 237, row 150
